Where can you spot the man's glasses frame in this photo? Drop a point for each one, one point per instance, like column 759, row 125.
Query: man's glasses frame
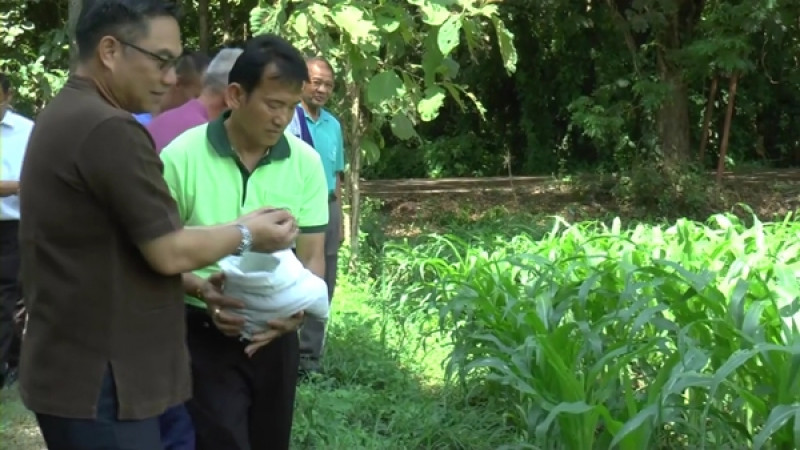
column 164, row 63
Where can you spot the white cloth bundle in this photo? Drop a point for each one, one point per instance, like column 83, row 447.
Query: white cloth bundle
column 273, row 286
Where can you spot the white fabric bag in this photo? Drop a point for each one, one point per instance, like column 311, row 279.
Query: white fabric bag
column 273, row 286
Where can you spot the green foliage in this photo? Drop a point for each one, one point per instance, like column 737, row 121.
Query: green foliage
column 584, row 94
column 398, row 68
column 35, row 56
column 601, row 337
column 465, row 155
column 651, row 191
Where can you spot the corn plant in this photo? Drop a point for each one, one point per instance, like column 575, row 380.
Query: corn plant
column 603, row 337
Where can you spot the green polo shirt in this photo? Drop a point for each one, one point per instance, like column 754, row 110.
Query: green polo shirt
column 211, row 186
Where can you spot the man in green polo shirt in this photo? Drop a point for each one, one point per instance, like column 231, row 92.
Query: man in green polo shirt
column 240, row 162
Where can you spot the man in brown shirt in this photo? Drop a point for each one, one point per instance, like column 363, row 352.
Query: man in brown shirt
column 102, row 246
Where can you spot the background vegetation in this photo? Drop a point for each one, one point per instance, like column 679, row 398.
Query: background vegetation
column 511, row 329
column 595, row 85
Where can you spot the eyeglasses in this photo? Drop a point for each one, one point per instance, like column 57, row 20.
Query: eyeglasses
column 319, row 83
column 164, row 62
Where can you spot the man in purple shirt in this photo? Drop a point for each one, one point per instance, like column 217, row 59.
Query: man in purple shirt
column 208, row 106
column 177, row 431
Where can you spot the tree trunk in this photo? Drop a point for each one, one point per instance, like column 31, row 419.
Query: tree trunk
column 712, row 95
column 227, row 20
column 726, row 131
column 354, row 173
column 204, row 32
column 672, row 119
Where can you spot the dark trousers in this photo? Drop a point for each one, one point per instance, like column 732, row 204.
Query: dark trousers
column 10, row 294
column 312, row 335
column 103, row 433
column 177, row 431
column 240, row 403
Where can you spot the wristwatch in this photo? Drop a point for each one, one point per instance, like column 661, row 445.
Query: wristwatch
column 247, row 240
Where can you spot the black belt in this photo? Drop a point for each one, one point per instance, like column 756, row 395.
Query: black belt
column 332, row 197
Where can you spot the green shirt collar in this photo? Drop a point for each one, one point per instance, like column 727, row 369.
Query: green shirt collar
column 218, row 138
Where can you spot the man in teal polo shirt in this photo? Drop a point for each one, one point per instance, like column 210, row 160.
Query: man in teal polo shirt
column 240, row 162
column 324, row 133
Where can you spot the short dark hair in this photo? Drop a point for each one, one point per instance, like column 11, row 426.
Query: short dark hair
column 323, row 61
column 5, row 83
column 192, row 63
column 262, row 52
column 125, row 19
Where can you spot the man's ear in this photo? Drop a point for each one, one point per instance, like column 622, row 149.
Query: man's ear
column 235, row 96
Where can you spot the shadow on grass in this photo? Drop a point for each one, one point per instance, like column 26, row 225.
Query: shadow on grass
column 378, row 394
column 18, row 429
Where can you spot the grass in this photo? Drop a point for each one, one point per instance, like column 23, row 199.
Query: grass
column 383, row 390
column 18, row 429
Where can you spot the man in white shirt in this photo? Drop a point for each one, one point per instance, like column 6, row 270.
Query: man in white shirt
column 14, row 132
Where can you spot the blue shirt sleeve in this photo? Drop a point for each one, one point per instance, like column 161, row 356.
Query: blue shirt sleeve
column 294, row 126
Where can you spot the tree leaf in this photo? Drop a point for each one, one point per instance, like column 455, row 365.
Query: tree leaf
column 455, row 95
column 431, row 59
column 434, row 13
column 505, row 39
column 451, row 67
column 263, row 20
column 489, row 11
column 429, row 106
column 300, row 24
column 351, row 20
column 370, row 150
column 318, row 13
column 387, row 23
column 402, row 127
column 449, row 37
column 472, row 35
column 384, row 86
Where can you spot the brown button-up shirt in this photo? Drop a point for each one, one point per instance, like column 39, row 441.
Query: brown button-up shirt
column 91, row 190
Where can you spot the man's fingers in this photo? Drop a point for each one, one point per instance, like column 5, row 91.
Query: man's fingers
column 266, row 336
column 217, row 279
column 286, row 325
column 252, row 348
column 280, row 215
column 226, row 318
column 229, row 324
column 260, row 340
column 224, row 302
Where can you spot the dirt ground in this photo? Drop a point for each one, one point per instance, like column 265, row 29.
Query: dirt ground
column 410, row 205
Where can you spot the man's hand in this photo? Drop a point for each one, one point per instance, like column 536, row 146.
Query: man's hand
column 272, row 229
column 277, row 328
column 8, row 188
column 218, row 304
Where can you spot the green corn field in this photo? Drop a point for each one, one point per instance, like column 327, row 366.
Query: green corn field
column 597, row 336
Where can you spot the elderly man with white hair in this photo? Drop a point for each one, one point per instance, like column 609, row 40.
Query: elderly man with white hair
column 208, row 106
